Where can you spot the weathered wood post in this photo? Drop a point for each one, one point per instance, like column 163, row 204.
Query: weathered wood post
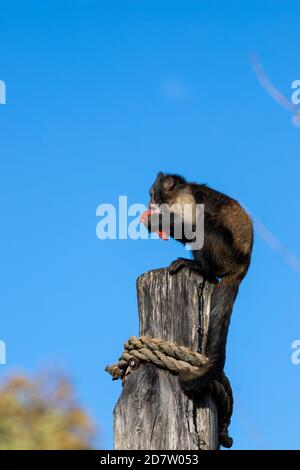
column 153, row 413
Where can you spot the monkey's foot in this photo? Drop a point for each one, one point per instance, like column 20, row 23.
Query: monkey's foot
column 181, row 263
column 192, row 264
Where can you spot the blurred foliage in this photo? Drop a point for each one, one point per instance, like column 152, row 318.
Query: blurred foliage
column 41, row 412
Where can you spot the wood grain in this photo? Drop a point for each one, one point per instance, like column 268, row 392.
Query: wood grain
column 153, row 413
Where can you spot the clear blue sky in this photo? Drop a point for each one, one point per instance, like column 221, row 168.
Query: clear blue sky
column 100, row 97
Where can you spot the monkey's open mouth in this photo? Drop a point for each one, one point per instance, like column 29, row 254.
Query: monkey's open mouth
column 145, row 220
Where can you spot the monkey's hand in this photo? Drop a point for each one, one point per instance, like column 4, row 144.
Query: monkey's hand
column 152, row 220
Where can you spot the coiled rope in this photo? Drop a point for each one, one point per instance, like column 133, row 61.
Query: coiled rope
column 170, row 356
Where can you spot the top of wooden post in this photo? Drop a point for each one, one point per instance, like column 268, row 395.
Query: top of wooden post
column 169, row 306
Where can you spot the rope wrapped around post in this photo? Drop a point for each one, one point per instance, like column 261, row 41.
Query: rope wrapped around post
column 175, row 358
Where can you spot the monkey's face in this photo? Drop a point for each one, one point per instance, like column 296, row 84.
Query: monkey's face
column 163, row 193
column 171, row 208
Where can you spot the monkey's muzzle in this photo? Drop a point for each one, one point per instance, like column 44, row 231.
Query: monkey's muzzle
column 146, row 219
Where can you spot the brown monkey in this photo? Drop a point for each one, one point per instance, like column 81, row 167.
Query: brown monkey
column 224, row 257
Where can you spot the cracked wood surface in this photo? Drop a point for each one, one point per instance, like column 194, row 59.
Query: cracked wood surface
column 153, row 413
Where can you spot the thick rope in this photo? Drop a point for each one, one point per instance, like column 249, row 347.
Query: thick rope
column 175, row 358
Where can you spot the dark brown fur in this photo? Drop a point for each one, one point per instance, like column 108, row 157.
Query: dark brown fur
column 223, row 259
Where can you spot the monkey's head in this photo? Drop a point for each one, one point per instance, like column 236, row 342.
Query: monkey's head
column 163, row 189
column 163, row 194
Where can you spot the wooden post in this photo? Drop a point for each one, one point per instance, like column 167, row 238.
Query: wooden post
column 153, row 413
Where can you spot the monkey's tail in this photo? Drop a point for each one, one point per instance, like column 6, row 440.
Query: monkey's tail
column 222, row 301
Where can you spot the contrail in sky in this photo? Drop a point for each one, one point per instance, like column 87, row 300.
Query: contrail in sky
column 277, row 95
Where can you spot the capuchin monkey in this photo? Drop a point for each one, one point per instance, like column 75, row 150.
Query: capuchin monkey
column 223, row 259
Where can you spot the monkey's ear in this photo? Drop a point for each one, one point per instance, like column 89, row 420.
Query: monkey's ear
column 169, row 183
